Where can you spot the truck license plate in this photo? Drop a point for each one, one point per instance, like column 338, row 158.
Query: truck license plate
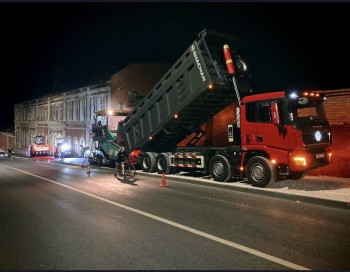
column 318, row 156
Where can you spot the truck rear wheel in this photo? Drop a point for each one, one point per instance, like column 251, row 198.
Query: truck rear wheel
column 148, row 162
column 260, row 172
column 163, row 164
column 220, row 168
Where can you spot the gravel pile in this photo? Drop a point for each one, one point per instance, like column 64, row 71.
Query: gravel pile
column 323, row 187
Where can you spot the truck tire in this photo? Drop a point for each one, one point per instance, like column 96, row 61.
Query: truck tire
column 148, row 162
column 220, row 168
column 163, row 164
column 260, row 172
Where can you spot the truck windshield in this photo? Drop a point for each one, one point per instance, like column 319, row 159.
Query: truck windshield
column 303, row 110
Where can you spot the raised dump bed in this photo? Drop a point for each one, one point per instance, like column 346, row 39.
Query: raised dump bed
column 194, row 89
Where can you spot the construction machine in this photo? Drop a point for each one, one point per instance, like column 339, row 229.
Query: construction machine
column 39, row 147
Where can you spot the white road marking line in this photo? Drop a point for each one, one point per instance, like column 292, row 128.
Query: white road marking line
column 183, row 227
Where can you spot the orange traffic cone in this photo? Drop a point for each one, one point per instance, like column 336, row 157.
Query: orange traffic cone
column 88, row 170
column 163, row 184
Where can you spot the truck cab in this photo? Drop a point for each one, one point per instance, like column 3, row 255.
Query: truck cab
column 289, row 129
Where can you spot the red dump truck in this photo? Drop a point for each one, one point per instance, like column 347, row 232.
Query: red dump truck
column 275, row 135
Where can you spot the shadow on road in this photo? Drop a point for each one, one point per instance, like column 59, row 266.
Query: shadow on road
column 128, row 180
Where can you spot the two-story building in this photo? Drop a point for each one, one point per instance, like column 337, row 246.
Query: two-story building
column 70, row 114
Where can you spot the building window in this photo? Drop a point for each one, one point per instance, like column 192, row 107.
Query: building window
column 52, row 113
column 103, row 103
column 84, row 109
column 57, row 112
column 134, row 98
column 69, row 111
column 93, row 104
column 76, row 110
column 46, row 112
column 61, row 112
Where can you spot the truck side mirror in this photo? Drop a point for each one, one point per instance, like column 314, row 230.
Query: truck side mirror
column 274, row 114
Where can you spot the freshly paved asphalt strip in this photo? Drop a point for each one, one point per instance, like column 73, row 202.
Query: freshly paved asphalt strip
column 238, row 186
column 262, row 191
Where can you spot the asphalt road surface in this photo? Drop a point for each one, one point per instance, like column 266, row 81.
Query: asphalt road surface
column 55, row 216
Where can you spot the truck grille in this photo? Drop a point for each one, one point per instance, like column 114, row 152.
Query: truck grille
column 310, row 138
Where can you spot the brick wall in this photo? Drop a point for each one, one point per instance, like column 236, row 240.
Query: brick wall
column 136, row 77
column 340, row 162
column 7, row 140
column 337, row 107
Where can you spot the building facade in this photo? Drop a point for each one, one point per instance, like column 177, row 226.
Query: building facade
column 7, row 140
column 70, row 114
column 67, row 115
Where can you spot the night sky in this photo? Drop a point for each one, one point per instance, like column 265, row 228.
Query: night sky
column 288, row 45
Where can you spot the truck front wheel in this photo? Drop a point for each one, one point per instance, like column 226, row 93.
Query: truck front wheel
column 163, row 164
column 148, row 162
column 260, row 172
column 220, row 168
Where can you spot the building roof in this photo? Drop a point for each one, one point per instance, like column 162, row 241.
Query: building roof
column 139, row 77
